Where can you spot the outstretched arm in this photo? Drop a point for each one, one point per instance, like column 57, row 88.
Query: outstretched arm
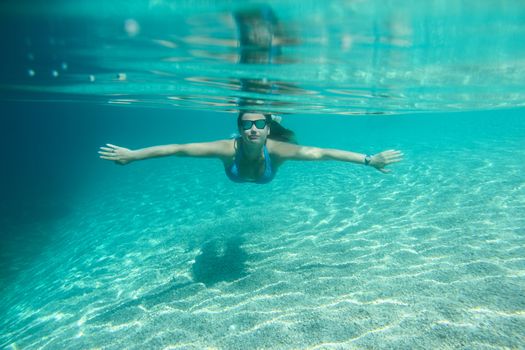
column 287, row 151
column 121, row 155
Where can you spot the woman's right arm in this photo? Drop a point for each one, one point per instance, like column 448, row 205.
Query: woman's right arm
column 121, row 155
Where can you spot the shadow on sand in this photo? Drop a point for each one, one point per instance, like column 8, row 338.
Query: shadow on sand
column 220, row 261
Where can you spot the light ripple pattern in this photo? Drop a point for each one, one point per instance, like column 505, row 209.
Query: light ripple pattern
column 168, row 257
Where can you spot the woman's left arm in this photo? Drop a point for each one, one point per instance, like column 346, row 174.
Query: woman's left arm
column 288, row 151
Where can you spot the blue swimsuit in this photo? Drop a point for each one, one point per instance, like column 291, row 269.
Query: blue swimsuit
column 233, row 170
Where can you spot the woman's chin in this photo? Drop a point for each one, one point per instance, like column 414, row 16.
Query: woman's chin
column 255, row 140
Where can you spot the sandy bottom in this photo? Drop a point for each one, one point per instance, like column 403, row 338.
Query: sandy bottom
column 328, row 256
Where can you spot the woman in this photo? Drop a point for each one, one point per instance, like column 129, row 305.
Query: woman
column 262, row 147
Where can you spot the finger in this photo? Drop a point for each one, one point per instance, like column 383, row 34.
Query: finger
column 395, row 159
column 107, row 149
column 112, row 146
column 107, row 158
column 388, row 151
column 109, row 154
column 392, row 161
column 393, row 153
column 384, row 171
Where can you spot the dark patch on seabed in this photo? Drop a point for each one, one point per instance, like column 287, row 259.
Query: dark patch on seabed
column 26, row 225
column 46, row 150
column 220, row 261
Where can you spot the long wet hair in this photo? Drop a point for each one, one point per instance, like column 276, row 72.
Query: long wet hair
column 277, row 131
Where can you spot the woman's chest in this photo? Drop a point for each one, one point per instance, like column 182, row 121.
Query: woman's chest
column 251, row 169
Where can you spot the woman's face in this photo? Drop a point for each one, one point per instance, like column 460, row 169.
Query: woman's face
column 253, row 128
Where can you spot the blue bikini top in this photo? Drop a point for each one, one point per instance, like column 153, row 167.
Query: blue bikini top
column 233, row 170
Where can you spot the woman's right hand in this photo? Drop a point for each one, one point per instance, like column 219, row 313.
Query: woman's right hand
column 382, row 159
column 119, row 155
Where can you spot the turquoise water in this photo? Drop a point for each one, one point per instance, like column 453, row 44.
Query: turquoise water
column 169, row 254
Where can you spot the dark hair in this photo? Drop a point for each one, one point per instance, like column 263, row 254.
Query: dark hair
column 277, row 131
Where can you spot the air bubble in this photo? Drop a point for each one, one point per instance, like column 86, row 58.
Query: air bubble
column 31, row 72
column 91, row 78
column 64, row 66
column 54, row 73
column 131, row 27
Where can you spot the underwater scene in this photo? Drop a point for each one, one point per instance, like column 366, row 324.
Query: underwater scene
column 411, row 235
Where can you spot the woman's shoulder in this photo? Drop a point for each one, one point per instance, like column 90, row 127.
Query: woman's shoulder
column 280, row 148
column 279, row 145
column 226, row 150
column 226, row 145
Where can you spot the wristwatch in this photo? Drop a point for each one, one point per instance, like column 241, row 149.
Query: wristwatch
column 368, row 158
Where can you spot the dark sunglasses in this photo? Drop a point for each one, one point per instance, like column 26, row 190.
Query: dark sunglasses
column 247, row 124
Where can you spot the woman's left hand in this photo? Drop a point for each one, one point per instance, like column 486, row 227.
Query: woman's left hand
column 382, row 159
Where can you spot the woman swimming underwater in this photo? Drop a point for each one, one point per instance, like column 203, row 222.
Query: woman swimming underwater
column 262, row 147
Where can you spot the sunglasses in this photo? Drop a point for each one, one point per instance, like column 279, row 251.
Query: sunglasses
column 247, row 124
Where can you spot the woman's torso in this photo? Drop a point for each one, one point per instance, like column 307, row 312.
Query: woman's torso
column 241, row 169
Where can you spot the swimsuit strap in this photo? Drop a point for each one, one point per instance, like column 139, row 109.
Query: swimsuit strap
column 233, row 170
column 268, row 172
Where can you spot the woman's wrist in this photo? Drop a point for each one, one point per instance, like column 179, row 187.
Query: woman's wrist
column 367, row 159
column 134, row 155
